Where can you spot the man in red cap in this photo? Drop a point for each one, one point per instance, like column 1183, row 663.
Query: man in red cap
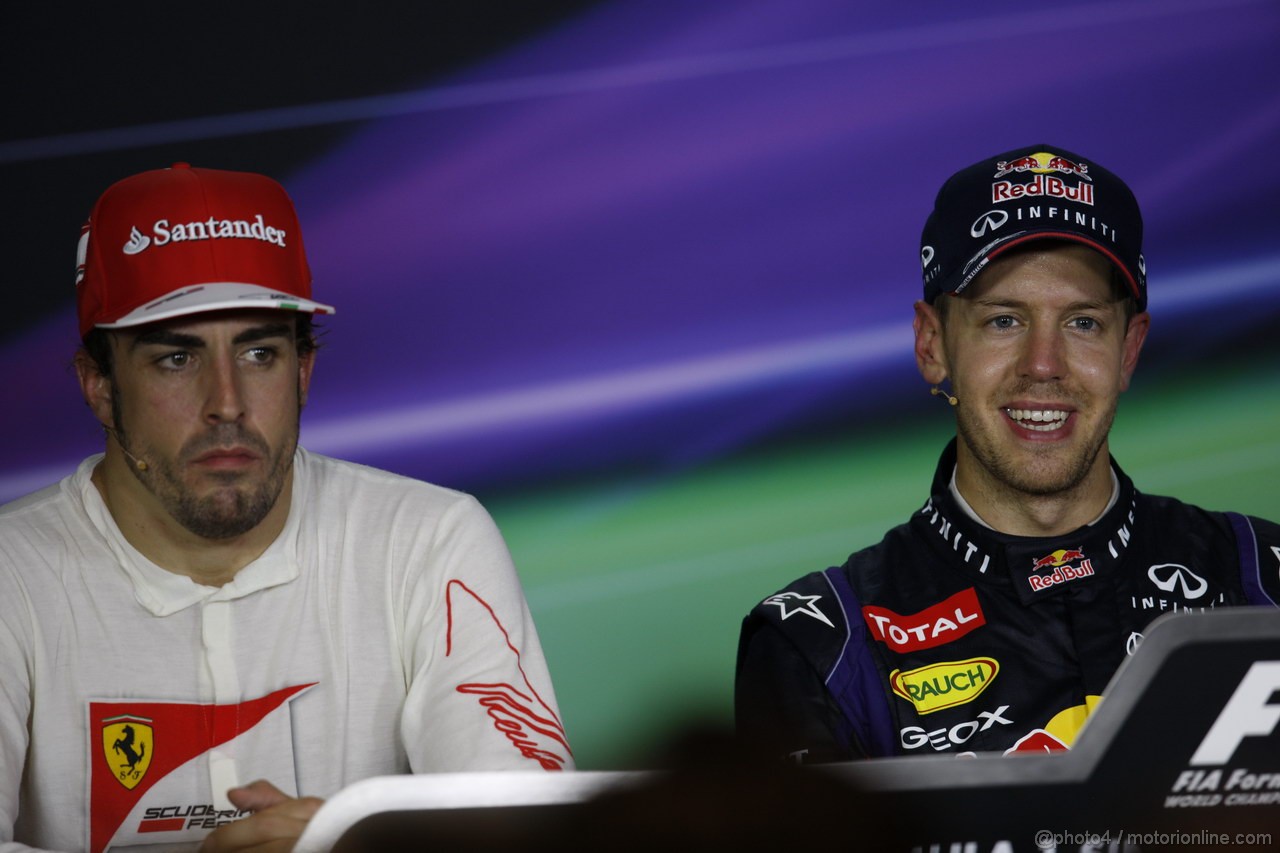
column 993, row 619
column 208, row 629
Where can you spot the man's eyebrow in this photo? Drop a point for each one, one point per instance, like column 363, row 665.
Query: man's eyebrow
column 170, row 338
column 1001, row 302
column 1012, row 303
column 267, row 330
column 167, row 337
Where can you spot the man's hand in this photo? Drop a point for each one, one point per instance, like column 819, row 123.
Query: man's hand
column 275, row 824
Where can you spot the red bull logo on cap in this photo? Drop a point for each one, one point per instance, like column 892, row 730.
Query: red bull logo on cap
column 1046, row 167
column 1060, row 561
column 1043, row 163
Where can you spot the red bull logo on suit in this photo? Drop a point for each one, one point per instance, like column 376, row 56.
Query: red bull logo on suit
column 1060, row 561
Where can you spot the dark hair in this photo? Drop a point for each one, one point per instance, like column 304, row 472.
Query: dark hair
column 97, row 344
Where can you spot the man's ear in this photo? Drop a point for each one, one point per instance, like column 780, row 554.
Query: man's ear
column 931, row 356
column 95, row 387
column 1134, row 336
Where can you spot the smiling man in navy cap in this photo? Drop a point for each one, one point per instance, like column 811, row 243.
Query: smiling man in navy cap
column 207, row 629
column 993, row 618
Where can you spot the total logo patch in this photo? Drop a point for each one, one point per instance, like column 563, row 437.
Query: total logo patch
column 944, row 685
column 1063, row 572
column 945, row 621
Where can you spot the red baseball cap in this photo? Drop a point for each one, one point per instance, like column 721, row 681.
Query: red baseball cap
column 178, row 241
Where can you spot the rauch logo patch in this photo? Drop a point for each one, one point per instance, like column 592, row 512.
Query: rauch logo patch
column 944, row 685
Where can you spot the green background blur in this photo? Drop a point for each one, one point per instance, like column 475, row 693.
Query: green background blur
column 639, row 586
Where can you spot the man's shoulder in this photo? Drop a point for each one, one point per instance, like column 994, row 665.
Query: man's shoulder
column 807, row 615
column 38, row 509
column 45, row 530
column 1172, row 515
column 902, row 537
column 36, row 501
column 340, row 479
column 814, row 582
column 1169, row 506
column 1253, row 542
column 375, row 504
column 899, row 562
column 1259, row 544
column 862, row 570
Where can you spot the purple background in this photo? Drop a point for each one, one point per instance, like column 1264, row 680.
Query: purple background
column 652, row 233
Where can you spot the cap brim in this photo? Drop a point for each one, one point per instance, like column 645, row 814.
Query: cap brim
column 994, row 250
column 216, row 296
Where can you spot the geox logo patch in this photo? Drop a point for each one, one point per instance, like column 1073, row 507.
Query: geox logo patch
column 163, row 233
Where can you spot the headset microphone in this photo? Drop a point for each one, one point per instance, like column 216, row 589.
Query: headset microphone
column 137, row 463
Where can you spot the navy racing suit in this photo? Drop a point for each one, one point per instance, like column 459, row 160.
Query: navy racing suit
column 950, row 637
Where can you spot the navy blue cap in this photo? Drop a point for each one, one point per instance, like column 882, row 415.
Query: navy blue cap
column 1039, row 192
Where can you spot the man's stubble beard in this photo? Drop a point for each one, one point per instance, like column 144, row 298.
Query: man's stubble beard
column 227, row 512
column 1043, row 476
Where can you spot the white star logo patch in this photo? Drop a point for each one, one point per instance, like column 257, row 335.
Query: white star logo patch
column 791, row 603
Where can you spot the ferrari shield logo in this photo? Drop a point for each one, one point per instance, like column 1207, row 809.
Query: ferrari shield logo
column 128, row 743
